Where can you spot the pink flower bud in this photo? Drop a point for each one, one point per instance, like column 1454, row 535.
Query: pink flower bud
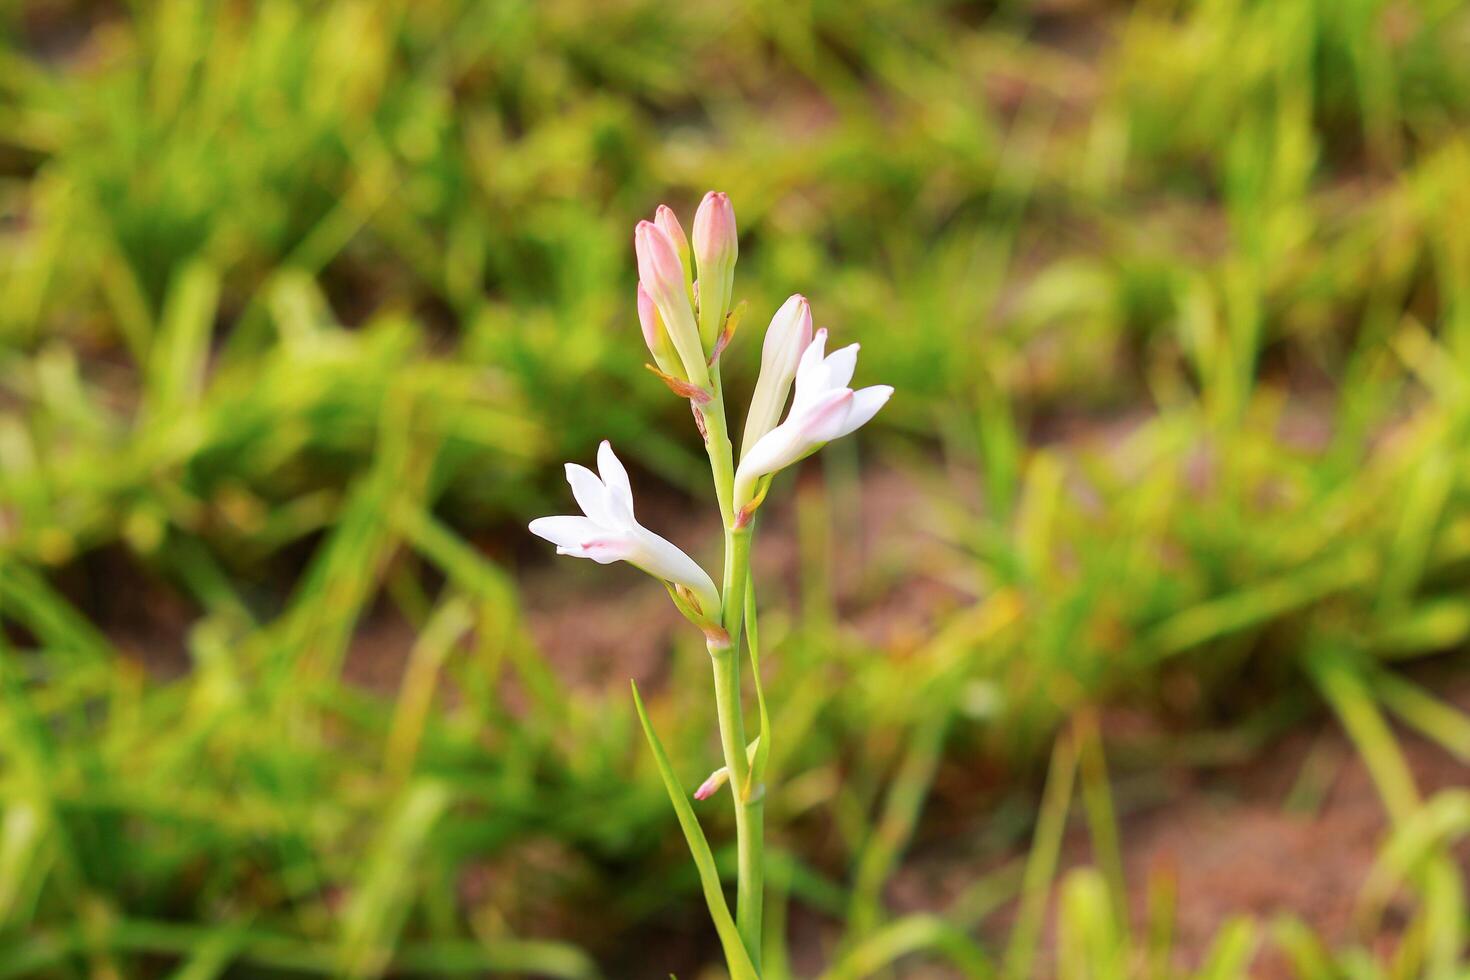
column 668, row 223
column 653, row 327
column 659, row 267
column 716, row 247
column 715, row 242
column 662, row 276
column 656, row 336
column 712, row 785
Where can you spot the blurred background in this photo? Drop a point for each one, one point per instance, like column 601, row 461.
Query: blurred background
column 1128, row 642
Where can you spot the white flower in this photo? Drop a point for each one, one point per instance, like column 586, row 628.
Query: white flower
column 610, row 533
column 823, row 409
column 787, row 337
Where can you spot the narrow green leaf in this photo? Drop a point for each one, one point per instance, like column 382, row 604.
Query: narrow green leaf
column 709, row 876
column 763, row 740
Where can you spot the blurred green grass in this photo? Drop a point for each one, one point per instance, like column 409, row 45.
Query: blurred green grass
column 299, row 299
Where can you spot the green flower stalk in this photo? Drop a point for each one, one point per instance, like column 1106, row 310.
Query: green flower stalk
column 684, row 304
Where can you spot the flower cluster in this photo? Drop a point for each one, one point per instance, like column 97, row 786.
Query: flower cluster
column 684, row 308
column 684, row 325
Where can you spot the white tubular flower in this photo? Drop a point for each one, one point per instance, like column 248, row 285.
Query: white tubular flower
column 824, row 408
column 788, row 335
column 608, row 532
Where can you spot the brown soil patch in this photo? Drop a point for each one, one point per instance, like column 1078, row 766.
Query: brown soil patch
column 1293, row 832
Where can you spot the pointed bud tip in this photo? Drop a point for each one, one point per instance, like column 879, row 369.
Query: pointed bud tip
column 668, row 223
column 659, row 265
column 712, row 785
column 715, row 239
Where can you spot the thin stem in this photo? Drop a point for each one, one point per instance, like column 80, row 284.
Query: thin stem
column 726, row 663
column 721, row 454
column 725, row 660
column 748, row 813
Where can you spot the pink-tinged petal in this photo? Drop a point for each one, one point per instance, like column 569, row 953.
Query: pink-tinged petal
column 668, row 223
column 604, row 547
column 840, row 365
column 823, row 421
column 865, row 404
column 591, row 495
column 564, row 532
column 809, row 371
column 615, row 477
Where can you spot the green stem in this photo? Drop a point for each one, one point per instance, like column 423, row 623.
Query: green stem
column 725, row 660
column 721, row 454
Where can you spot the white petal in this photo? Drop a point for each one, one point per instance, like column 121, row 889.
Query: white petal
column 865, row 404
column 840, row 365
column 775, row 450
column 809, row 372
column 663, row 559
column 615, row 477
column 823, row 421
column 786, row 339
column 788, row 336
column 591, row 495
column 564, row 532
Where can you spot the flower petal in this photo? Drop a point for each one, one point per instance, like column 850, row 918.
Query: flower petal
column 591, row 495
column 822, row 422
column 775, row 450
column 840, row 365
column 787, row 336
column 615, row 477
column 809, row 373
column 604, row 547
column 865, row 404
column 564, row 532
column 662, row 559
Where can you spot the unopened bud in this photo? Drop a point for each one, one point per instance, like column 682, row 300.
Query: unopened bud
column 716, row 246
column 656, row 336
column 662, row 275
